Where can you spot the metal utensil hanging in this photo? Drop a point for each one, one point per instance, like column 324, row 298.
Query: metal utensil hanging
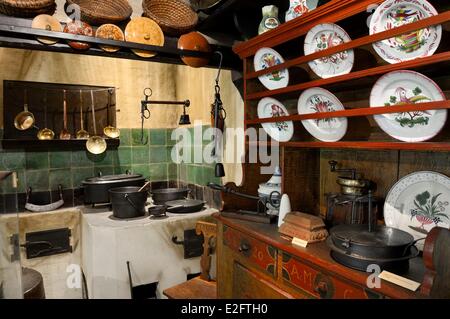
column 82, row 134
column 45, row 133
column 95, row 144
column 64, row 134
column 110, row 131
column 25, row 119
column 218, row 116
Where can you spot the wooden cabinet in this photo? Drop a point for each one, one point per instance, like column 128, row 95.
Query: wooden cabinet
column 299, row 272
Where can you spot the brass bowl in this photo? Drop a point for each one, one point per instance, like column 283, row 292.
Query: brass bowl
column 351, row 186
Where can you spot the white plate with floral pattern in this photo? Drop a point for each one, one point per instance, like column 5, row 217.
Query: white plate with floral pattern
column 324, row 36
column 394, row 13
column 318, row 100
column 417, row 203
column 266, row 58
column 279, row 131
column 408, row 87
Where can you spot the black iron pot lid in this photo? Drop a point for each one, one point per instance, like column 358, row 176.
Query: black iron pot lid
column 380, row 237
column 112, row 178
column 412, row 253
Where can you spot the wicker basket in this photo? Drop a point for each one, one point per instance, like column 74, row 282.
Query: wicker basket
column 27, row 8
column 173, row 16
column 97, row 12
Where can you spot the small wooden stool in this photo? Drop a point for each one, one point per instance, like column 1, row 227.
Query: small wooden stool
column 200, row 287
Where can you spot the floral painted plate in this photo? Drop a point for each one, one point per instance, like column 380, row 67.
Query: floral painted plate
column 279, row 131
column 265, row 58
column 417, row 203
column 324, row 36
column 408, row 87
column 318, row 100
column 392, row 14
column 299, row 7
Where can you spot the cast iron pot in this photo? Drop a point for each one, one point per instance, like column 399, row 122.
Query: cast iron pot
column 96, row 188
column 128, row 202
column 161, row 196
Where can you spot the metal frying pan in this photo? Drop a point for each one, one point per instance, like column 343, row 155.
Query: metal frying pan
column 184, row 206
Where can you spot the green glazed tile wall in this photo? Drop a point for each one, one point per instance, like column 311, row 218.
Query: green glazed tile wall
column 44, row 170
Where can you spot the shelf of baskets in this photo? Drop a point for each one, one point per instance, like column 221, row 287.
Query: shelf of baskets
column 354, row 88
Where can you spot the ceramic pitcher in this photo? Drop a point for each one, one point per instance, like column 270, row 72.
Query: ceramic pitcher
column 270, row 19
column 296, row 9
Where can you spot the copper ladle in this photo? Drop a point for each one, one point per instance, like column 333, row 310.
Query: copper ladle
column 110, row 131
column 82, row 134
column 95, row 144
column 64, row 134
column 25, row 119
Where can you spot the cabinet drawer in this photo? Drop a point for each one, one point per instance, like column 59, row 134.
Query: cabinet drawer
column 248, row 285
column 319, row 284
column 261, row 255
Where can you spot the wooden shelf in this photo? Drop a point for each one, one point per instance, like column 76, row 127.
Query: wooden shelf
column 435, row 105
column 440, row 57
column 17, row 33
column 438, row 19
column 333, row 11
column 367, row 145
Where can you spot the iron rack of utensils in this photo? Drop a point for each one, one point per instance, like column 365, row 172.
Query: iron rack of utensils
column 145, row 112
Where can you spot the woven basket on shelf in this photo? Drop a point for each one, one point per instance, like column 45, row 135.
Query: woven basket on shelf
column 27, row 8
column 96, row 12
column 173, row 16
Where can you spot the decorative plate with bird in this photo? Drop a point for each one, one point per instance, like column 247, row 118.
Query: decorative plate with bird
column 318, row 100
column 395, row 13
column 408, row 87
column 280, row 131
column 325, row 36
column 417, row 203
column 266, row 58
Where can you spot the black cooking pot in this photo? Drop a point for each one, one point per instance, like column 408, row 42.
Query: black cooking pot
column 163, row 195
column 357, row 247
column 128, row 202
column 96, row 188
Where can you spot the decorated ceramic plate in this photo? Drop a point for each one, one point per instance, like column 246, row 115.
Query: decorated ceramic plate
column 265, row 58
column 318, row 100
column 279, row 131
column 110, row 32
column 325, row 36
column 146, row 31
column 392, row 14
column 408, row 87
column 417, row 203
column 49, row 23
column 300, row 7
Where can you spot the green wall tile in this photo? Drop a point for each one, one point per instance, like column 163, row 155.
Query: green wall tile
column 122, row 169
column 142, row 169
column 158, row 172
column 81, row 159
column 104, row 159
column 140, row 155
column 158, row 154
column 38, row 180
column 169, row 140
column 158, row 137
column 6, row 186
column 125, row 137
column 37, row 160
column 60, row 159
column 80, row 174
column 136, row 137
column 12, row 160
column 60, row 176
column 172, row 171
column 123, row 156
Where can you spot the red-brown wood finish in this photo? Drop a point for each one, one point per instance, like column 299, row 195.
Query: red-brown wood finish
column 259, row 253
column 333, row 11
column 420, row 24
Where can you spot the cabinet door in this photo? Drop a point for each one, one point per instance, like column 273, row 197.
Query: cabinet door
column 249, row 285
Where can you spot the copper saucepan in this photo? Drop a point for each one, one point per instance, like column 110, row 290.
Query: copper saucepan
column 25, row 119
